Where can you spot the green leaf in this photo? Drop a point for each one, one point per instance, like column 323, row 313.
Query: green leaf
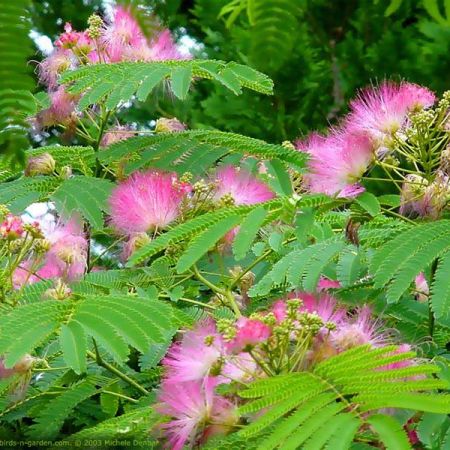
column 369, row 202
column 86, row 195
column 440, row 289
column 73, row 345
column 390, row 431
column 393, row 7
column 281, row 182
column 248, row 231
column 205, row 241
column 181, row 79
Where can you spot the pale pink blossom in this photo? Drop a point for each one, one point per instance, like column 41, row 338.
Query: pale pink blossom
column 163, row 48
column 196, row 412
column 244, row 188
column 116, row 134
column 195, row 356
column 146, row 201
column 68, row 252
column 123, row 39
column 61, row 110
column 56, row 63
column 336, row 163
column 164, row 125
column 361, row 329
column 249, row 332
column 402, row 348
column 324, row 305
column 422, row 288
column 66, row 258
column 380, row 112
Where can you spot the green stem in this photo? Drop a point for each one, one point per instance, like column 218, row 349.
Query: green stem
column 96, row 357
column 125, row 397
column 431, row 318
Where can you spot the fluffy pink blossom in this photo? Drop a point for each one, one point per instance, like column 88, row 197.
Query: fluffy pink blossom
column 123, row 39
column 423, row 199
column 324, row 305
column 336, row 163
column 249, row 332
column 62, row 107
column 11, row 227
column 116, row 134
column 163, row 48
column 197, row 413
column 68, row 252
column 382, row 111
column 145, row 201
column 244, row 188
column 361, row 329
column 51, row 67
column 66, row 258
column 193, row 358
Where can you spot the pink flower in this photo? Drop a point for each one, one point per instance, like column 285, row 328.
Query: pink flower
column 67, row 255
column 241, row 186
column 145, row 201
column 403, row 348
column 326, row 283
column 66, row 258
column 196, row 412
column 78, row 41
column 123, row 37
column 422, row 288
column 61, row 109
column 116, row 134
column 382, row 111
column 164, row 125
column 423, row 199
column 11, row 228
column 279, row 310
column 163, row 48
column 324, row 305
column 195, row 356
column 135, row 242
column 249, row 332
column 336, row 163
column 52, row 66
column 361, row 329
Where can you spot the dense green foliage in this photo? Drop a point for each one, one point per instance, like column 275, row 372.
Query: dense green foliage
column 83, row 359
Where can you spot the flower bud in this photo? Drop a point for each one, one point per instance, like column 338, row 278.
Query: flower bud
column 65, row 172
column 95, row 23
column 164, row 125
column 43, row 164
column 60, row 291
column 24, row 364
column 42, row 246
column 135, row 242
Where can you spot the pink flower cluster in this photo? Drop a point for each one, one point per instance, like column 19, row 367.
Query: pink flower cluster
column 248, row 349
column 338, row 161
column 11, row 228
column 194, row 367
column 153, row 200
column 120, row 39
column 65, row 259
